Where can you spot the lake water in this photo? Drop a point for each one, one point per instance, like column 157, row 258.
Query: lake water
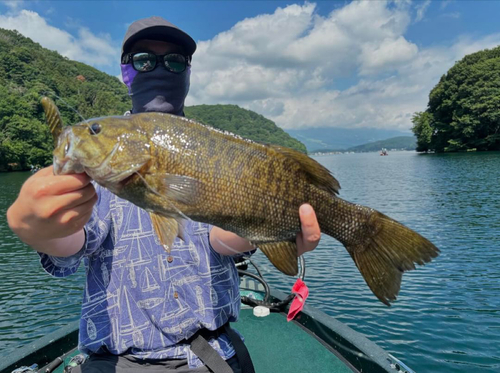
column 447, row 316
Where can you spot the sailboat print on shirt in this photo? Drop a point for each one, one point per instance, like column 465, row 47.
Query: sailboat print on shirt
column 105, row 275
column 142, row 257
column 138, row 339
column 147, row 304
column 199, row 299
column 91, row 330
column 133, row 319
column 132, row 225
column 148, row 282
column 94, row 299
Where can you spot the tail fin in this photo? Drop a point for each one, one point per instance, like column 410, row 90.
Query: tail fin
column 388, row 250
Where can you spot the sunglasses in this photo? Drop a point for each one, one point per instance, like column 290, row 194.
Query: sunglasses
column 146, row 61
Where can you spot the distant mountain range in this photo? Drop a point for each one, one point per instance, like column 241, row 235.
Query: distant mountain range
column 399, row 143
column 342, row 138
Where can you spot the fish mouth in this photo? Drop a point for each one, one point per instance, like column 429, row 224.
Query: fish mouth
column 64, row 161
column 66, row 166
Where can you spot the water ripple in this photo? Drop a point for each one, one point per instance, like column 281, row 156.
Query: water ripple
column 447, row 316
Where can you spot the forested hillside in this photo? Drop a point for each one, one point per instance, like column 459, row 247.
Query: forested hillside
column 245, row 123
column 28, row 72
column 463, row 112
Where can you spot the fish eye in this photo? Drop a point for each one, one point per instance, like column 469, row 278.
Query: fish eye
column 95, row 128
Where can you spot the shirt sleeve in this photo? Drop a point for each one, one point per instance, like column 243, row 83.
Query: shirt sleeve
column 96, row 231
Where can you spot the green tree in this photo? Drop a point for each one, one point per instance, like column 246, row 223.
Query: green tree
column 464, row 107
column 422, row 130
column 28, row 72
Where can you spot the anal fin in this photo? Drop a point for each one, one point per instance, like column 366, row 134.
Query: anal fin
column 166, row 229
column 283, row 255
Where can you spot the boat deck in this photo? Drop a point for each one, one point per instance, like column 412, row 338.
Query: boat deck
column 276, row 345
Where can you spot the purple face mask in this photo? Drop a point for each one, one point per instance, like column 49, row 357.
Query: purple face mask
column 159, row 90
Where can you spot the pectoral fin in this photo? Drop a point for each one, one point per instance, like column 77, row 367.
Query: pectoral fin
column 183, row 189
column 166, row 229
column 283, row 255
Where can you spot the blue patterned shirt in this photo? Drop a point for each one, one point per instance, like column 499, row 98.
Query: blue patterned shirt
column 138, row 298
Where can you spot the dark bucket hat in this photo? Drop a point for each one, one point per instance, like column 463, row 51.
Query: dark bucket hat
column 157, row 28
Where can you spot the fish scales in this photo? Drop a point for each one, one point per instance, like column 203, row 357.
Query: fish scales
column 240, row 180
column 176, row 168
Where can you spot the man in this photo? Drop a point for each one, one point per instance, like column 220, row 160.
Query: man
column 142, row 306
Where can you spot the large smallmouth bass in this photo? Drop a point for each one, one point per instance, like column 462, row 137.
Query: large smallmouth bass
column 177, row 168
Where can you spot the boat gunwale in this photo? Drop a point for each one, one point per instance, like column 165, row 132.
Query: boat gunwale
column 43, row 350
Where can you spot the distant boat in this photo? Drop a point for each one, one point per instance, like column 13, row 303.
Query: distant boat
column 384, row 152
column 35, row 168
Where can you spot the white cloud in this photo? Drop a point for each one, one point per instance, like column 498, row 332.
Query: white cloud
column 386, row 54
column 421, row 9
column 13, row 4
column 466, row 45
column 286, row 66
column 445, row 3
column 296, row 49
column 95, row 50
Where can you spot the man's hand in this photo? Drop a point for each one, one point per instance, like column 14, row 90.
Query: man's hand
column 309, row 237
column 50, row 211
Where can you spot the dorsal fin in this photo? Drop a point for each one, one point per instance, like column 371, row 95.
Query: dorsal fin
column 317, row 174
column 54, row 119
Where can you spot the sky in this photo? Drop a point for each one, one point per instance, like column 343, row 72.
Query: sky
column 301, row 64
